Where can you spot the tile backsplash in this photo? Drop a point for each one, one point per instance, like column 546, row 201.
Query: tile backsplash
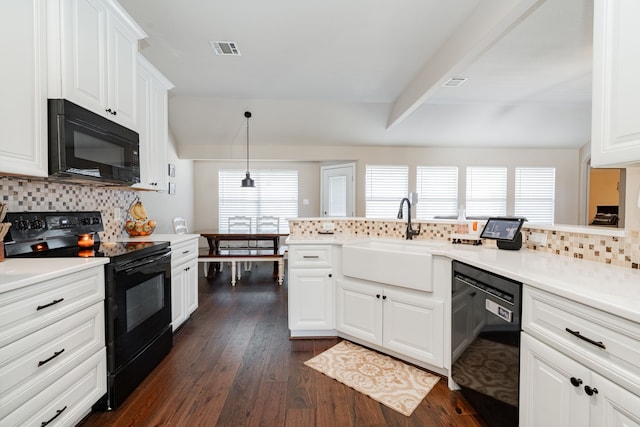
column 622, row 251
column 26, row 194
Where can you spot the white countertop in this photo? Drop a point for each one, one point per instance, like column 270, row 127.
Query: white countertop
column 19, row 272
column 606, row 287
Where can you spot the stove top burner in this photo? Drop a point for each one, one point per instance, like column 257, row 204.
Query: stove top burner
column 55, row 235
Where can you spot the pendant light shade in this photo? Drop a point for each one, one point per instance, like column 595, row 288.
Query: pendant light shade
column 247, row 182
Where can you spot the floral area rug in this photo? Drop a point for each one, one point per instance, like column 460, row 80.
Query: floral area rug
column 389, row 381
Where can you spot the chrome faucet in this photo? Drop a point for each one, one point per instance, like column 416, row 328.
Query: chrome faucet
column 410, row 231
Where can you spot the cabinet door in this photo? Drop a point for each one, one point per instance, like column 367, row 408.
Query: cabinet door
column 614, row 405
column 615, row 138
column 413, row 325
column 547, row 396
column 122, row 53
column 311, row 299
column 153, row 128
column 84, row 68
column 191, row 287
column 178, row 312
column 23, row 106
column 359, row 310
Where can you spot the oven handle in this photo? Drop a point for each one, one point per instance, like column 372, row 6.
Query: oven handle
column 460, row 278
column 140, row 263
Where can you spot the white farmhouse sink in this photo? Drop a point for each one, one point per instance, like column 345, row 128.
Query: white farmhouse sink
column 393, row 262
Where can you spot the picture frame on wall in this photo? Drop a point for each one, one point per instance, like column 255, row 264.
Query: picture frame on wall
column 172, row 170
column 172, row 188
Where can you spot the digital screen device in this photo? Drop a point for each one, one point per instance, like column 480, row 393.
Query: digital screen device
column 502, row 229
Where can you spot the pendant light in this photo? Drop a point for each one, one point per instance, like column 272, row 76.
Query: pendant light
column 247, row 182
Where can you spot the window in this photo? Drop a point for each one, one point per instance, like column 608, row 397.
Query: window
column 275, row 194
column 535, row 194
column 385, row 187
column 486, row 191
column 437, row 188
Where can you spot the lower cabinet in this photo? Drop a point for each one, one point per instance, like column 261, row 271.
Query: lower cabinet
column 184, row 281
column 555, row 390
column 401, row 320
column 311, row 299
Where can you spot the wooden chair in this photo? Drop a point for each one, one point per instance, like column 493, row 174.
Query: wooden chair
column 180, row 225
column 240, row 224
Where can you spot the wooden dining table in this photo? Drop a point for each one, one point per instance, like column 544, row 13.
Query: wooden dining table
column 215, row 237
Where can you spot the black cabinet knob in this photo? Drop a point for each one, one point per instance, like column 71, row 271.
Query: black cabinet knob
column 377, row 295
column 384, row 297
column 576, row 381
column 330, row 275
column 590, row 391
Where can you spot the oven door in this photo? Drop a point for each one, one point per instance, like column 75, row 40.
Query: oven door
column 138, row 305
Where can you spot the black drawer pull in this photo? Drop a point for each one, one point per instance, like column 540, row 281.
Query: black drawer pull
column 55, row 354
column 310, row 256
column 58, row 412
column 589, row 340
column 54, row 302
column 185, row 252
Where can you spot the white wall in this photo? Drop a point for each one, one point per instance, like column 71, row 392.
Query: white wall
column 164, row 207
column 565, row 161
column 206, row 187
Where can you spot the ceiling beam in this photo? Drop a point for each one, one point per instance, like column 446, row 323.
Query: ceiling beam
column 486, row 24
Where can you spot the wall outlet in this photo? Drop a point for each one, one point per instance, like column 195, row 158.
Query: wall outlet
column 116, row 214
column 539, row 239
column 327, row 226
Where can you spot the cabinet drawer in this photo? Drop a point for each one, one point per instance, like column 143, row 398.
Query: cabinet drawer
column 184, row 251
column 34, row 307
column 310, row 256
column 598, row 339
column 28, row 361
column 68, row 400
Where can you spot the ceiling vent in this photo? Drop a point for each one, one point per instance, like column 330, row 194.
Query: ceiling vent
column 225, row 48
column 455, row 81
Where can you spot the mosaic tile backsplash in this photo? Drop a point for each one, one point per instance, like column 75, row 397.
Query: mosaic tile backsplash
column 22, row 194
column 622, row 251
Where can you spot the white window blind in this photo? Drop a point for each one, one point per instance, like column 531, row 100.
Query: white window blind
column 437, row 188
column 275, row 194
column 535, row 194
column 486, row 191
column 385, row 187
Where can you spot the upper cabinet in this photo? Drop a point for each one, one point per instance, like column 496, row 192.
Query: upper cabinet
column 23, row 105
column 93, row 49
column 615, row 139
column 153, row 126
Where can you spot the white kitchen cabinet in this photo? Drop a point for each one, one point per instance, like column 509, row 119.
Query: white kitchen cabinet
column 23, row 105
column 404, row 321
column 568, row 350
column 555, row 390
column 184, row 281
column 52, row 349
column 153, row 125
column 311, row 286
column 615, row 138
column 93, row 49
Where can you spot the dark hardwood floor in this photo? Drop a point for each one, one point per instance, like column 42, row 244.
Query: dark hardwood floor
column 233, row 364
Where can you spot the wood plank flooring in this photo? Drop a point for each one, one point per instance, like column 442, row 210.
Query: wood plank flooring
column 233, row 364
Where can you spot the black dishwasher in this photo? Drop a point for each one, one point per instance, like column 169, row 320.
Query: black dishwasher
column 485, row 342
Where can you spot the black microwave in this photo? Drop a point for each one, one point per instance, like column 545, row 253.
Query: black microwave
column 84, row 146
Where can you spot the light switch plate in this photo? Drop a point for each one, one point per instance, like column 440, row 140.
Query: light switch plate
column 327, row 226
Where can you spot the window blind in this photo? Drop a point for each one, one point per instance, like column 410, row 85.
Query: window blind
column 275, row 194
column 486, row 191
column 385, row 187
column 535, row 194
column 437, row 188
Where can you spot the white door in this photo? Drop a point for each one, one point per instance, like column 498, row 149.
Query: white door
column 338, row 198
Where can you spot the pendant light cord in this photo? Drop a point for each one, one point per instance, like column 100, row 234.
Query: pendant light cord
column 247, row 114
